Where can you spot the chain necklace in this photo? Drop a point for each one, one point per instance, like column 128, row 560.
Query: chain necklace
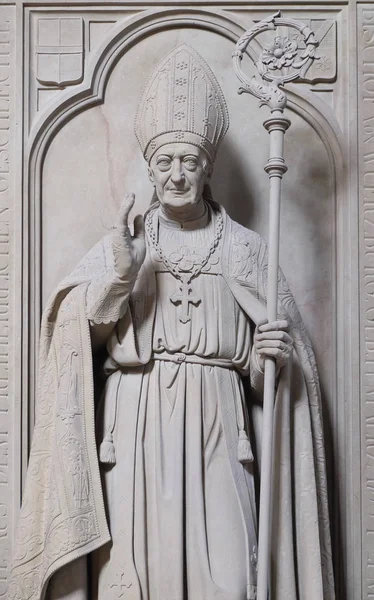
column 184, row 296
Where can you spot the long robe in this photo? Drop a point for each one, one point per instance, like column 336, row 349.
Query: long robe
column 301, row 545
column 188, row 533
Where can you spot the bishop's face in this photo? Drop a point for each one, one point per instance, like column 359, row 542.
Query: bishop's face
column 179, row 172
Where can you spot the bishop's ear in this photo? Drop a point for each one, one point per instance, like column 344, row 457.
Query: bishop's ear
column 150, row 175
column 208, row 170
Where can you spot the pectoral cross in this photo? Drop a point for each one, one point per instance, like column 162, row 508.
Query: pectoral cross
column 185, row 297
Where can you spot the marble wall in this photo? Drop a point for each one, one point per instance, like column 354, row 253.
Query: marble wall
column 71, row 76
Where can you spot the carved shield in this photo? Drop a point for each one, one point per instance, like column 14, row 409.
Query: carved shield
column 59, row 51
column 324, row 67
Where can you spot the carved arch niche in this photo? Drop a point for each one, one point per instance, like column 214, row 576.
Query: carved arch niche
column 83, row 157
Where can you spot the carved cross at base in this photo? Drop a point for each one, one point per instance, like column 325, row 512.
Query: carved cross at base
column 120, row 585
column 185, row 297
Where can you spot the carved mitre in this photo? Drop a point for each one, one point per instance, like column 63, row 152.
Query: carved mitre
column 182, row 102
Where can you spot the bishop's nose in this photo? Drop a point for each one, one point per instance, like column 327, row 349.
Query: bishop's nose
column 177, row 175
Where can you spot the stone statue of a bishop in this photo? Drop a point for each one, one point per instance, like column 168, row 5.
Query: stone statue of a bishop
column 149, row 492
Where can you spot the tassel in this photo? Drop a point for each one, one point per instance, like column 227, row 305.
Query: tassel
column 107, row 450
column 244, row 448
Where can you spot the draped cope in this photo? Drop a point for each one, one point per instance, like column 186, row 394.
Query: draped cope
column 180, row 504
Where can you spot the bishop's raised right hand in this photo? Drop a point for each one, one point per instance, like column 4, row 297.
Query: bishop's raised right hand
column 128, row 251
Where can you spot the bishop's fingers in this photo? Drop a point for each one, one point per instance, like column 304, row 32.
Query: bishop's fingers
column 124, row 211
column 273, row 335
column 281, row 325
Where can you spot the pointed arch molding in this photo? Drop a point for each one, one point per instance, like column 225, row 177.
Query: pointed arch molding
column 91, row 92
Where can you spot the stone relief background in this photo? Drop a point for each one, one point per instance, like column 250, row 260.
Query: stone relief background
column 77, row 93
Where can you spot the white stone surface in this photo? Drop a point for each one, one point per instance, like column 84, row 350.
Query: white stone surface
column 92, row 160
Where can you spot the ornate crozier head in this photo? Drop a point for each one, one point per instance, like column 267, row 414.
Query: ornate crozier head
column 181, row 120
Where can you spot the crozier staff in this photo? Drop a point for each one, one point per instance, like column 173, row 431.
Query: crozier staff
column 180, row 306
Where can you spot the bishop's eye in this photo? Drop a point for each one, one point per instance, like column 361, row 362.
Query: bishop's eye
column 190, row 162
column 163, row 163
